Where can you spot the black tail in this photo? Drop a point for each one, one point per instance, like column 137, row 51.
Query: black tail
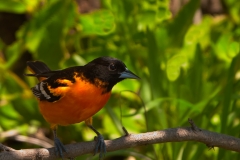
column 38, row 67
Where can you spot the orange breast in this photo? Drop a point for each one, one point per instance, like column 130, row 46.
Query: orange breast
column 80, row 101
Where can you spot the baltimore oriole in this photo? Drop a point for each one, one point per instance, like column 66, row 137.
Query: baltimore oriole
column 75, row 94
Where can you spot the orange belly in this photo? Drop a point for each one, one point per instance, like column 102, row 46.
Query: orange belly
column 80, row 101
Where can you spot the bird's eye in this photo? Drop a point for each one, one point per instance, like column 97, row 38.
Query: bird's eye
column 112, row 67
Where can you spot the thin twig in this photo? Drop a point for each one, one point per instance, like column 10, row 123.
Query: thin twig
column 14, row 135
column 193, row 125
column 32, row 140
column 125, row 131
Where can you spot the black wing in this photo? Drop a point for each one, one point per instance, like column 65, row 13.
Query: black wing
column 42, row 92
column 48, row 89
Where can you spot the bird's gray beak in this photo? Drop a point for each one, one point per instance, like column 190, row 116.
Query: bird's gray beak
column 128, row 74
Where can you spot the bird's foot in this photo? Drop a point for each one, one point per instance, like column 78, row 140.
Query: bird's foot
column 100, row 146
column 59, row 147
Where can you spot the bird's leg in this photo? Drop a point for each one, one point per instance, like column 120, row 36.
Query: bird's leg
column 59, row 147
column 100, row 146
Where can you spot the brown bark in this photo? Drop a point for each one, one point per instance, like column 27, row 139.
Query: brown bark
column 211, row 139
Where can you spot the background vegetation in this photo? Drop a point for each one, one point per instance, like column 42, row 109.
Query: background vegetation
column 187, row 70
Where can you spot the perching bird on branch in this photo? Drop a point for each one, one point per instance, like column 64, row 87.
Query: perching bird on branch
column 75, row 94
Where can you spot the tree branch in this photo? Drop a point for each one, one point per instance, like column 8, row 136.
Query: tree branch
column 211, row 139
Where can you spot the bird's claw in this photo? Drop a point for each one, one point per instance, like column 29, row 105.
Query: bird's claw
column 100, row 146
column 59, row 147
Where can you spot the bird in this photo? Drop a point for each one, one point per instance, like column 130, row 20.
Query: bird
column 75, row 94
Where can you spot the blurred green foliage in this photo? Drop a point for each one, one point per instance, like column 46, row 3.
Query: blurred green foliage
column 187, row 70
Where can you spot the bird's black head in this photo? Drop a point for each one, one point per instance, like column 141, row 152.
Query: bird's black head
column 108, row 70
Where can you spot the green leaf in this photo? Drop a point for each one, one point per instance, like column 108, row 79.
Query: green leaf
column 178, row 28
column 234, row 49
column 226, row 48
column 174, row 66
column 163, row 13
column 147, row 19
column 195, row 75
column 15, row 6
column 9, row 117
column 199, row 33
column 44, row 34
column 13, row 53
column 100, row 22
